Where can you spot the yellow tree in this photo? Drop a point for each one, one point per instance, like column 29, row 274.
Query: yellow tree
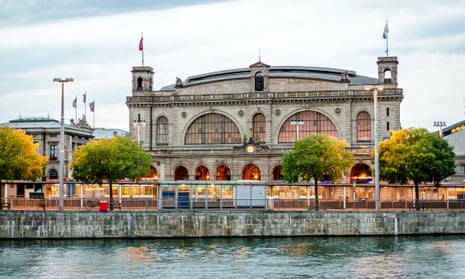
column 19, row 158
column 109, row 160
column 416, row 155
column 317, row 157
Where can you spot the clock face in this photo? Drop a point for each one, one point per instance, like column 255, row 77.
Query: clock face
column 250, row 148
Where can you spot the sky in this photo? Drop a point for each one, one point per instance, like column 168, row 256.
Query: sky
column 96, row 43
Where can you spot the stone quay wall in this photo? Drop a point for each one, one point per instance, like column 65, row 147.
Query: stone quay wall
column 243, row 223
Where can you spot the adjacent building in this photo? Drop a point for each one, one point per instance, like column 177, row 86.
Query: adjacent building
column 46, row 133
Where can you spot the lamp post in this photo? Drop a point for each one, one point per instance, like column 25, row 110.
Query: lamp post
column 297, row 123
column 62, row 138
column 440, row 124
column 375, row 90
column 138, row 123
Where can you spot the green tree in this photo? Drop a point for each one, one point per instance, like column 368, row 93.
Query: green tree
column 19, row 158
column 317, row 157
column 417, row 155
column 109, row 160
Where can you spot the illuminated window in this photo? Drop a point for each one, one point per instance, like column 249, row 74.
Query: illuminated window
column 259, row 128
column 306, row 123
column 212, row 128
column 161, row 130
column 363, row 126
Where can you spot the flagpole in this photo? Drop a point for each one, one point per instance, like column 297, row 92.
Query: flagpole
column 141, row 46
column 75, row 109
column 386, row 37
column 85, row 106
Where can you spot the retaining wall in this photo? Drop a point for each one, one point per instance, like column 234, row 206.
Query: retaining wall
column 130, row 224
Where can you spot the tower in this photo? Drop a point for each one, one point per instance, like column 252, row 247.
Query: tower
column 387, row 71
column 142, row 79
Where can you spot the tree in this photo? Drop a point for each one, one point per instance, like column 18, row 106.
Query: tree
column 19, row 158
column 417, row 155
column 109, row 160
column 317, row 157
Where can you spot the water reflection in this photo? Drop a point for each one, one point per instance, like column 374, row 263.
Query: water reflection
column 313, row 257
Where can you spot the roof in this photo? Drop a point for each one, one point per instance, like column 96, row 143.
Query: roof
column 304, row 72
column 42, row 123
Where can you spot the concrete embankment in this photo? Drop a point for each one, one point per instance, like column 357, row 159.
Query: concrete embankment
column 158, row 224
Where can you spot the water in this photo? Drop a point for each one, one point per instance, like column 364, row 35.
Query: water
column 309, row 257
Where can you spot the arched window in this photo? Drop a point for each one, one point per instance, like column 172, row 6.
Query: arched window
column 259, row 128
column 363, row 126
column 223, row 173
column 251, row 172
column 202, row 173
column 212, row 128
column 181, row 173
column 277, row 173
column 161, row 131
column 139, row 83
column 387, row 75
column 259, row 81
column 306, row 123
column 53, row 174
column 387, row 111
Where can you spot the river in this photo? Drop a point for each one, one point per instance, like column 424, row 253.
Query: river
column 296, row 257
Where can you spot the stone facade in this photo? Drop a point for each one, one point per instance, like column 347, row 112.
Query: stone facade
column 162, row 120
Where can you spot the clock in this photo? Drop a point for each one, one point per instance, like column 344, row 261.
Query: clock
column 250, row 148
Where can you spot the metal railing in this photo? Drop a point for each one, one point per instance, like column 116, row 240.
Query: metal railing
column 153, row 204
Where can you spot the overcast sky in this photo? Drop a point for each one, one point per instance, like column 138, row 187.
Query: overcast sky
column 96, row 43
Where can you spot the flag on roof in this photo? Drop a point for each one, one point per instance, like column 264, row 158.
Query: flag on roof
column 386, row 31
column 75, row 102
column 141, row 44
column 92, row 106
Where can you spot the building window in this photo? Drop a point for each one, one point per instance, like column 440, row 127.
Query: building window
column 306, row 123
column 388, row 126
column 53, row 174
column 363, row 126
column 259, row 81
column 462, row 169
column 387, row 111
column 259, row 128
column 161, row 130
column 212, row 128
column 53, row 152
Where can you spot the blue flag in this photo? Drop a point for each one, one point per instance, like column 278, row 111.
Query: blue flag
column 386, row 31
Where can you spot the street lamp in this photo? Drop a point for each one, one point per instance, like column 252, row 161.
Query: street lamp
column 62, row 138
column 440, row 124
column 138, row 123
column 375, row 90
column 297, row 123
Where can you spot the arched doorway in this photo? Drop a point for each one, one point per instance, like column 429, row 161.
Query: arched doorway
column 360, row 173
column 277, row 173
column 251, row 172
column 181, row 173
column 202, row 173
column 223, row 173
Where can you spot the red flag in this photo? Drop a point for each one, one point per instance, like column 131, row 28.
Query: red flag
column 141, row 44
column 92, row 106
column 75, row 102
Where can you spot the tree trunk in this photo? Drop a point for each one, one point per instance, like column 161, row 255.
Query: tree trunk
column 417, row 197
column 111, row 196
column 316, row 196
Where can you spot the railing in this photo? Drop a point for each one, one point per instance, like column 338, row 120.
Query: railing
column 152, row 204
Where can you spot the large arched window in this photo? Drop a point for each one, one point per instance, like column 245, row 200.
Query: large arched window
column 259, row 128
column 161, row 131
column 363, row 126
column 306, row 123
column 212, row 128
